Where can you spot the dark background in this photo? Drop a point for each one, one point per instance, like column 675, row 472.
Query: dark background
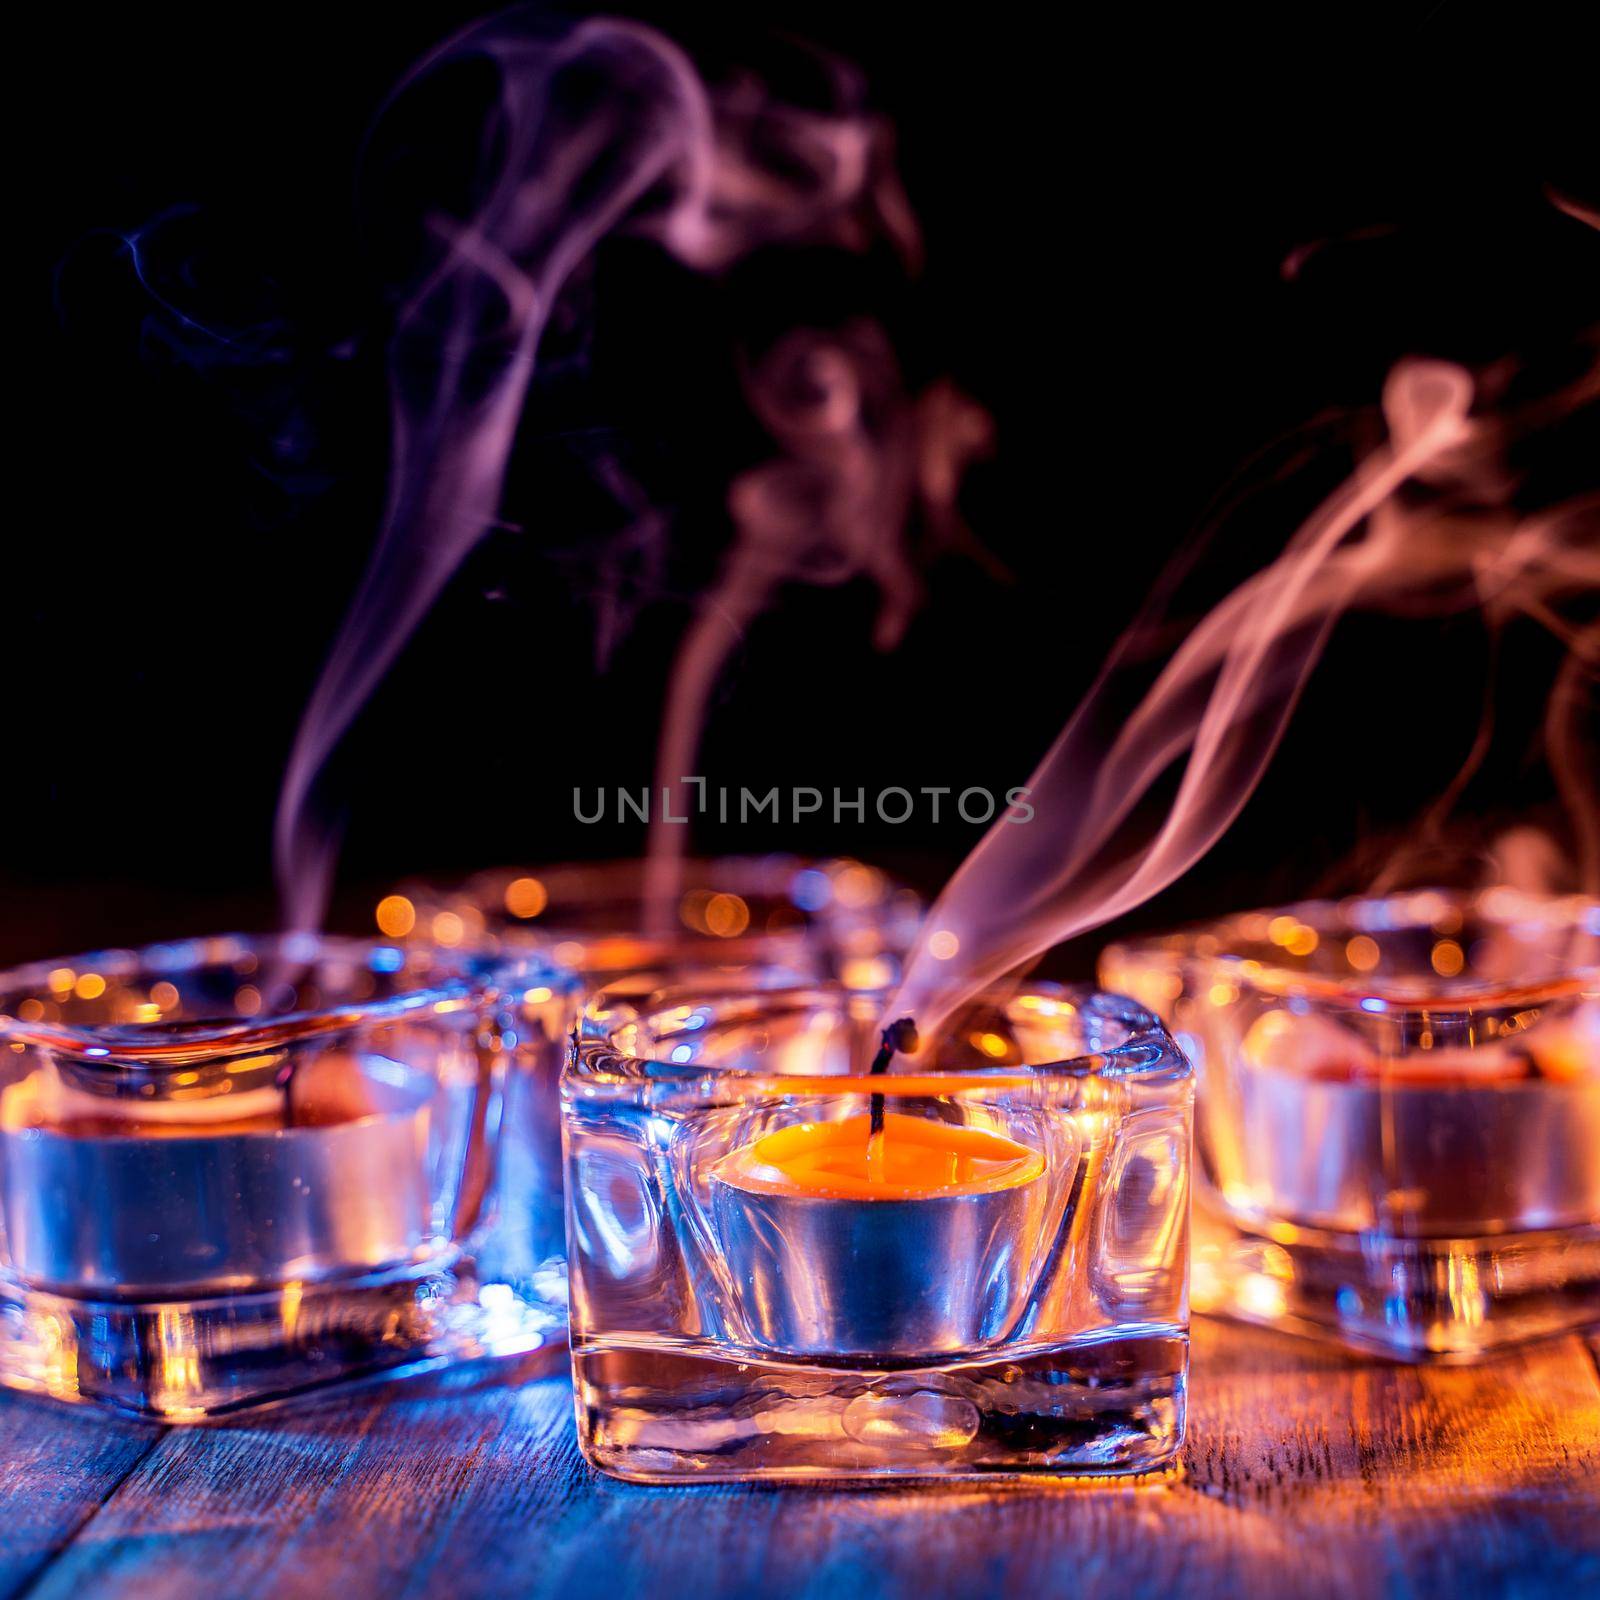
column 1107, row 203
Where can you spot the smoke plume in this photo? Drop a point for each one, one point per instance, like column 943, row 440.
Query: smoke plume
column 597, row 129
column 1425, row 525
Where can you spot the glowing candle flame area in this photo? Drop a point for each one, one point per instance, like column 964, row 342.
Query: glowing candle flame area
column 910, row 1157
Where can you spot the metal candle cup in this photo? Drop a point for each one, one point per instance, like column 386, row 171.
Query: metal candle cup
column 138, row 1205
column 1423, row 1159
column 904, row 1274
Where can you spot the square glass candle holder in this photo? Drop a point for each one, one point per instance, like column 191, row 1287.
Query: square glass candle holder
column 994, row 1286
column 1398, row 1114
column 235, row 1168
column 737, row 921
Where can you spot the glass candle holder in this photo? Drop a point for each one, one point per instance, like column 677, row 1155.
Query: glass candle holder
column 235, row 1168
column 1398, row 1120
column 830, row 918
column 734, row 921
column 786, row 1267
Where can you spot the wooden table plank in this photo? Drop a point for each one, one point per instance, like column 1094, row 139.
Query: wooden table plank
column 1382, row 1478
column 1333, row 1475
column 56, row 1468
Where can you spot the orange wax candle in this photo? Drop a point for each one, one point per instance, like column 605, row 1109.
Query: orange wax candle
column 910, row 1158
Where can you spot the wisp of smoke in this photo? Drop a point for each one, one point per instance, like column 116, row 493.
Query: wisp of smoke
column 599, row 128
column 1220, row 705
column 863, row 462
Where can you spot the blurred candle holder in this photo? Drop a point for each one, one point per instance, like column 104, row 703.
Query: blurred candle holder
column 1398, row 1114
column 232, row 1169
column 760, row 1291
column 835, row 918
column 730, row 921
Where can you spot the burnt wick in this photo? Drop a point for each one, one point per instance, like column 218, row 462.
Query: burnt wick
column 899, row 1038
column 283, row 1079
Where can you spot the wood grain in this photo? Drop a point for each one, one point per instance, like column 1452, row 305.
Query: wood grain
column 1309, row 1472
column 56, row 1467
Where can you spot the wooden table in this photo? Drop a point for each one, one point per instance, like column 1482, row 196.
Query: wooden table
column 1308, row 1473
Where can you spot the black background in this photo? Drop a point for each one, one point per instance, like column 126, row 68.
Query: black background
column 1107, row 200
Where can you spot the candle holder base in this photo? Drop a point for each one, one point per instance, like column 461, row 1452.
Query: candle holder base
column 1444, row 1300
column 672, row 1413
column 198, row 1360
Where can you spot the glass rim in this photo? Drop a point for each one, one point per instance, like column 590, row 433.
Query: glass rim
column 474, row 977
column 1148, row 1051
column 1204, row 945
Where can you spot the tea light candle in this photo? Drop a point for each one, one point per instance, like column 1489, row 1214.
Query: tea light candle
column 880, row 1234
